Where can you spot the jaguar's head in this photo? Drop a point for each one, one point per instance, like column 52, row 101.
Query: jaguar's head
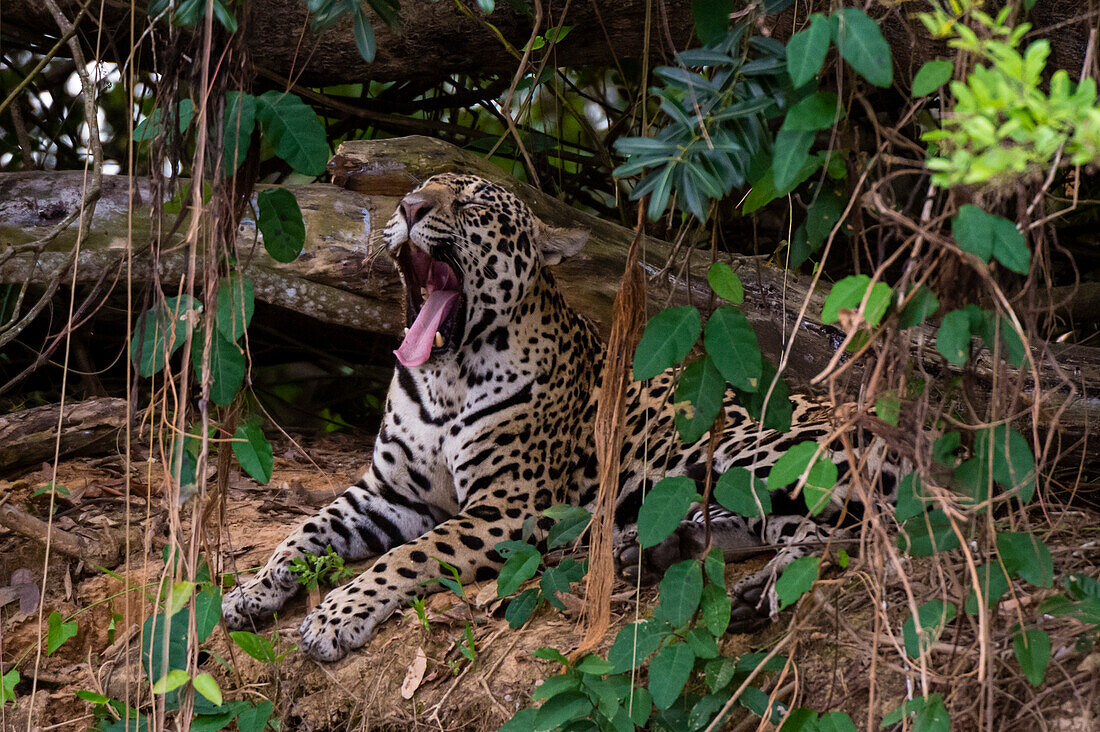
column 468, row 252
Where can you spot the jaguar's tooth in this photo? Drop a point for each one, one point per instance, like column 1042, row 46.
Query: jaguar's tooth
column 438, row 339
column 424, row 292
column 406, row 331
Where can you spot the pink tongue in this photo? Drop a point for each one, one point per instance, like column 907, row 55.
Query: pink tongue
column 417, row 346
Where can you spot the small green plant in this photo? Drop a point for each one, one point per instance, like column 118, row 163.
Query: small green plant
column 417, row 605
column 1001, row 123
column 314, row 569
column 7, row 687
column 50, row 488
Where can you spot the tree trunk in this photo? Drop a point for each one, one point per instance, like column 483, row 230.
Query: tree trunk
column 29, row 436
column 436, row 40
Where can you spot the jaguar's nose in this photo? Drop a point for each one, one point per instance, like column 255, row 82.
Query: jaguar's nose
column 415, row 207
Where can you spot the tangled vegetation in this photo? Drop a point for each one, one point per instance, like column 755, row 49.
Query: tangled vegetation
column 942, row 214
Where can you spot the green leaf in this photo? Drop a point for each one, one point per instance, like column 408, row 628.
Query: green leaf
column 640, row 707
column 668, row 337
column 910, row 500
column 635, row 643
column 725, row 283
column 58, row 632
column 779, row 408
column 743, row 493
column 281, row 224
column 800, row 720
column 943, row 449
column 1013, row 463
column 861, row 44
column 208, row 611
column 521, row 721
column 569, row 525
column 681, row 590
column 953, row 337
column 227, row 367
column 178, row 596
column 835, row 722
column 559, row 709
column 705, row 389
column 796, row 580
column 171, row 681
column 238, row 121
column 294, row 131
column 160, row 331
column 921, row 304
column 731, row 343
column 819, row 486
column 716, row 608
column 364, row 34
column 993, row 584
column 712, row 18
column 822, row 216
column 816, row 112
column 714, row 565
column 1009, row 247
column 790, row 154
column 931, row 715
column 927, row 534
column 933, row 615
column 556, row 685
column 973, row 231
column 236, row 303
column 932, row 75
column 663, row 508
column 888, row 408
column 519, row 567
column 254, row 718
column 254, row 645
column 806, row 50
column 7, row 687
column 205, row 684
column 791, row 465
column 253, row 452
column 1027, row 557
column 520, row 607
column 669, row 672
column 848, row 293
column 1032, row 649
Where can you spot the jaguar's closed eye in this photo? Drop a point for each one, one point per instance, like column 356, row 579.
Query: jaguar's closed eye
column 468, row 203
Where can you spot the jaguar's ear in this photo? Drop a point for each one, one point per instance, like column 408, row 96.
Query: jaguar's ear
column 557, row 244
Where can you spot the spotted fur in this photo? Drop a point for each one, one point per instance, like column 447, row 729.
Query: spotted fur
column 498, row 425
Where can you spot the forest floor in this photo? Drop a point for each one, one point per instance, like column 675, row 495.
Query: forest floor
column 443, row 691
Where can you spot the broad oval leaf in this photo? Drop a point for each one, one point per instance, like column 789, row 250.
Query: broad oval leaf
column 280, row 221
column 704, row 388
column 1026, row 556
column 669, row 672
column 816, row 112
column 253, row 451
column 725, row 283
column 1032, row 649
column 663, row 508
column 743, row 493
column 238, row 121
column 789, row 157
column 796, row 580
column 862, row 45
column 731, row 343
column 972, row 229
column 236, row 303
column 680, row 591
column 934, row 616
column 806, row 50
column 227, row 367
column 668, row 337
column 932, row 75
column 635, row 643
column 294, row 131
column 849, row 292
column 953, row 337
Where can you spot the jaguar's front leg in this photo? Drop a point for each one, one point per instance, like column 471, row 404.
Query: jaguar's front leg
column 348, row 615
column 358, row 524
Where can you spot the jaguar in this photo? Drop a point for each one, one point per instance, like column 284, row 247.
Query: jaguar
column 489, row 421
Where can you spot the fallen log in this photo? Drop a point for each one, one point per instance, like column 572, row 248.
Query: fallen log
column 343, row 277
column 29, row 437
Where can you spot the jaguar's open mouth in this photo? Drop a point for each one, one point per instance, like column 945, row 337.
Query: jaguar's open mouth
column 435, row 310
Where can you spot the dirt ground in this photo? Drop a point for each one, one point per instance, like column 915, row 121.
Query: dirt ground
column 834, row 668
